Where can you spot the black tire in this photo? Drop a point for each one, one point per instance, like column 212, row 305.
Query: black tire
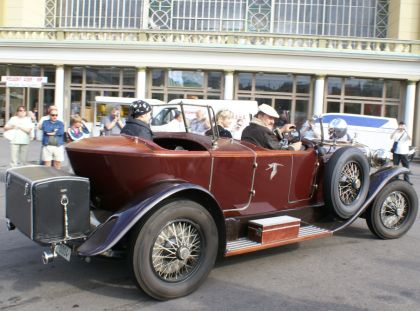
column 346, row 181
column 166, row 265
column 394, row 210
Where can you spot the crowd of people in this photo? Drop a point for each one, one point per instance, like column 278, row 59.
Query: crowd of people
column 23, row 127
column 267, row 129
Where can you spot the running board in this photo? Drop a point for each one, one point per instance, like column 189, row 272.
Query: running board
column 245, row 245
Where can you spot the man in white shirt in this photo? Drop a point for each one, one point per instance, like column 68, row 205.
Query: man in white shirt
column 400, row 154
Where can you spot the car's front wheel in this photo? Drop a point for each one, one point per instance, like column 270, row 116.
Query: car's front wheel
column 174, row 250
column 393, row 211
column 346, row 181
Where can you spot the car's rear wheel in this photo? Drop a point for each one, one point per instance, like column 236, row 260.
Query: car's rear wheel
column 174, row 250
column 394, row 210
column 346, row 181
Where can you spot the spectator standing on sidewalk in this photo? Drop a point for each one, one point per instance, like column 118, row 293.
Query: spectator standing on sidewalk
column 402, row 145
column 78, row 129
column 113, row 123
column 53, row 140
column 46, row 117
column 19, row 129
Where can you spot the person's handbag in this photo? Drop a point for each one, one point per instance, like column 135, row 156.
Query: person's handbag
column 9, row 134
column 394, row 146
column 52, row 140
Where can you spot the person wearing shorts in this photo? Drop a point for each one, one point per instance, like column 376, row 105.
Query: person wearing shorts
column 53, row 140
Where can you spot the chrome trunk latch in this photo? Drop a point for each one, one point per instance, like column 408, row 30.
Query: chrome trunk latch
column 65, row 201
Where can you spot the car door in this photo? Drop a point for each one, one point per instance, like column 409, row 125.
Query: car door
column 304, row 168
column 232, row 175
column 272, row 182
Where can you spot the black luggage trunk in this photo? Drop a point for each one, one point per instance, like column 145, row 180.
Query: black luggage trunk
column 35, row 199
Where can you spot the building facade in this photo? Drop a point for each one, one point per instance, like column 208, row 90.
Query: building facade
column 304, row 56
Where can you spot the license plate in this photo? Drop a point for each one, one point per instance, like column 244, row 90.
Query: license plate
column 64, row 251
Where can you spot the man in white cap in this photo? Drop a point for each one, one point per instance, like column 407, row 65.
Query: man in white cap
column 260, row 129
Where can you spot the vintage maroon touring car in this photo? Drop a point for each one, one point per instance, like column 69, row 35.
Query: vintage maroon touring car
column 176, row 203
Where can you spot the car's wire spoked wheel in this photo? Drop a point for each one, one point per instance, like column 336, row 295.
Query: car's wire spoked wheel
column 177, row 251
column 394, row 210
column 350, row 182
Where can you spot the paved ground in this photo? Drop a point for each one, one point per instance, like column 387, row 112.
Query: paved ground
column 34, row 155
column 350, row 271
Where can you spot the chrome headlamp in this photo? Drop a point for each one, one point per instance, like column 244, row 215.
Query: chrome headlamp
column 380, row 157
column 337, row 128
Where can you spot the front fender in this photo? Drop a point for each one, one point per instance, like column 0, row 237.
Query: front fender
column 378, row 180
column 119, row 224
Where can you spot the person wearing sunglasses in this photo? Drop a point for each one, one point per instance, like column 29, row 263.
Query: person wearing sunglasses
column 18, row 131
column 53, row 140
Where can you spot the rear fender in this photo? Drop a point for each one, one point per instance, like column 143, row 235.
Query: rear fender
column 107, row 234
column 378, row 180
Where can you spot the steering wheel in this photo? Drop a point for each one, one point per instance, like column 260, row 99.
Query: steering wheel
column 293, row 136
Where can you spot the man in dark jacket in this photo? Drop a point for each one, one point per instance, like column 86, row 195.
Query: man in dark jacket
column 138, row 124
column 260, row 129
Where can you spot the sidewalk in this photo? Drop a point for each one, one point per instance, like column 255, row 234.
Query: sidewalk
column 34, row 155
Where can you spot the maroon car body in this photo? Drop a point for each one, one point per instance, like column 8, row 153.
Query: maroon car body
column 238, row 174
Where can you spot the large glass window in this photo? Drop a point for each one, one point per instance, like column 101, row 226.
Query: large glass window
column 364, row 87
column 354, row 18
column 281, row 91
column 88, row 82
column 376, row 97
column 214, row 80
column 392, row 89
column 274, row 83
column 303, row 84
column 372, row 109
column 3, row 70
column 334, row 86
column 180, row 78
column 245, row 81
column 201, row 15
column 110, row 76
column 158, row 77
column 77, row 75
column 113, row 14
column 166, row 85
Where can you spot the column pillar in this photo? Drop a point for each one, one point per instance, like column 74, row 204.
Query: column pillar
column 410, row 100
column 59, row 91
column 318, row 107
column 141, row 83
column 228, row 85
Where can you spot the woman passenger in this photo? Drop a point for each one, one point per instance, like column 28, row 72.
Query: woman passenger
column 224, row 120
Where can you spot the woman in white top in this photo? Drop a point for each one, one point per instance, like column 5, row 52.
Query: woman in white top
column 19, row 127
column 400, row 154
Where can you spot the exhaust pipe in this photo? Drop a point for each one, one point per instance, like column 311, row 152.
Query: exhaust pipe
column 10, row 225
column 94, row 222
column 48, row 257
